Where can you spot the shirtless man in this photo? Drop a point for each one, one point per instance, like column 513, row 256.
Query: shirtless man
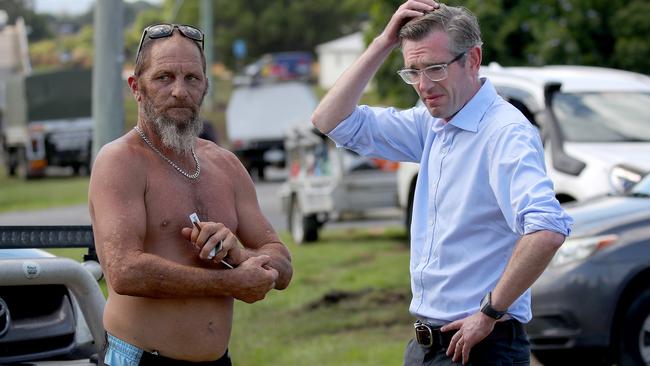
column 170, row 301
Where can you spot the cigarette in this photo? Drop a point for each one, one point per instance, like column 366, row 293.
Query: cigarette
column 195, row 221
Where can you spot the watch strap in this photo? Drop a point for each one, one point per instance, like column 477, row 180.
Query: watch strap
column 487, row 309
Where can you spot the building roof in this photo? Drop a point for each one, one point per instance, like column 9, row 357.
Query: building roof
column 352, row 42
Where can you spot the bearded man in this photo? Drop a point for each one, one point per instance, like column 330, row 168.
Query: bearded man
column 172, row 284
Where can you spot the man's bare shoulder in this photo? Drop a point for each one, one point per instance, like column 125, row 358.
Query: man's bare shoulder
column 219, row 154
column 121, row 156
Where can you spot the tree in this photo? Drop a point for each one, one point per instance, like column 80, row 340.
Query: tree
column 632, row 31
column 269, row 25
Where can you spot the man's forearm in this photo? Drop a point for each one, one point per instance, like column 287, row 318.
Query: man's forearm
column 344, row 96
column 529, row 259
column 148, row 275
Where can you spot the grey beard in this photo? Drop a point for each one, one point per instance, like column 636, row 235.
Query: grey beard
column 179, row 138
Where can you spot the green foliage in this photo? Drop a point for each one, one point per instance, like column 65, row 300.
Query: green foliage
column 632, row 30
column 38, row 24
column 266, row 26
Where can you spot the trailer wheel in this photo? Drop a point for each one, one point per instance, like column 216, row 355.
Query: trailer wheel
column 303, row 228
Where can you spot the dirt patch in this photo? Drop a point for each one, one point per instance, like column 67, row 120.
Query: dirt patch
column 368, row 295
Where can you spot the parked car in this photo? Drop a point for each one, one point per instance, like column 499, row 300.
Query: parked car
column 593, row 122
column 326, row 183
column 592, row 304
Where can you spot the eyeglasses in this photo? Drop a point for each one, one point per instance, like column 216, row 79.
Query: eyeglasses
column 435, row 72
column 166, row 30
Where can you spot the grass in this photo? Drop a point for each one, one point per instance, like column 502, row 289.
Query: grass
column 17, row 194
column 346, row 305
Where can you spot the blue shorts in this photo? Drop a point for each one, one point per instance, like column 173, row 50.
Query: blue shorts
column 121, row 353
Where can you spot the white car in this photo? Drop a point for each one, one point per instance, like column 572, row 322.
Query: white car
column 593, row 121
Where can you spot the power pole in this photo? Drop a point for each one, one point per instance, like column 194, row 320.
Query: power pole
column 207, row 26
column 108, row 102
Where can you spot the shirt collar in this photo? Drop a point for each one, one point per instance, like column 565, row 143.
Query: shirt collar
column 470, row 116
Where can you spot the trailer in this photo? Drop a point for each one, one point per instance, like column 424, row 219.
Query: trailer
column 327, row 183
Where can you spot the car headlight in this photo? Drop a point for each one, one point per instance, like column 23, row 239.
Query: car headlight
column 580, row 248
column 622, row 178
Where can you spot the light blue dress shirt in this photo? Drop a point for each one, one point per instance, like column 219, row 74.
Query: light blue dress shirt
column 482, row 185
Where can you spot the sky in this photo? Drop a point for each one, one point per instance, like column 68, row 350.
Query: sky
column 72, row 7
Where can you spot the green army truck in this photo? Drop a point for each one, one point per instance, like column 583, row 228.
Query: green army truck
column 47, row 122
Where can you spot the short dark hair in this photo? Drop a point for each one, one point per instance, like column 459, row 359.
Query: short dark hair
column 142, row 61
column 458, row 22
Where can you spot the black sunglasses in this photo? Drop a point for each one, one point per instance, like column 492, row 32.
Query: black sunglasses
column 166, row 30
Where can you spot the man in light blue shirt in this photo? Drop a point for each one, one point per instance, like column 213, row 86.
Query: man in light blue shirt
column 485, row 219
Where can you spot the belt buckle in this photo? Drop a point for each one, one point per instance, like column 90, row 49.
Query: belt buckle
column 423, row 334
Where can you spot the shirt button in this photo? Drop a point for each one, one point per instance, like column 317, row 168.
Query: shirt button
column 443, row 150
column 431, row 222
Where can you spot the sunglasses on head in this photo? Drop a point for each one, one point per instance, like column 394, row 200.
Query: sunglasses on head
column 166, row 30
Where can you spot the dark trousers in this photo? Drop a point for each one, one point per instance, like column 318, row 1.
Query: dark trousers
column 149, row 359
column 508, row 346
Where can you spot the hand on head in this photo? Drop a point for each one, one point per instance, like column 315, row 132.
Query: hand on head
column 407, row 11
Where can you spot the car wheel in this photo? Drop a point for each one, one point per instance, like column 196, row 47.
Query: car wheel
column 303, row 228
column 635, row 333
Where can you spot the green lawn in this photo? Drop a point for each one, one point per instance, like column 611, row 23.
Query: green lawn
column 346, row 305
column 17, row 194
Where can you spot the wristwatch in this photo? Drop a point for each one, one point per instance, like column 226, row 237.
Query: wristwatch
column 487, row 309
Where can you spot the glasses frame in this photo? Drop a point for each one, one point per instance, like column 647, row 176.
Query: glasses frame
column 184, row 29
column 442, row 66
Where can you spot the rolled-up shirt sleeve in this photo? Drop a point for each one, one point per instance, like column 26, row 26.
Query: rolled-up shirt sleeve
column 523, row 190
column 386, row 133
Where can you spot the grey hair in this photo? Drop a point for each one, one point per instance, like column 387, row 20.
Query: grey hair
column 458, row 22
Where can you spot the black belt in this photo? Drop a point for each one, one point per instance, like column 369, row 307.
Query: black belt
column 430, row 336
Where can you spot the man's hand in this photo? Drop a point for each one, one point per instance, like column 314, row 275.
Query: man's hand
column 410, row 9
column 209, row 237
column 257, row 279
column 471, row 330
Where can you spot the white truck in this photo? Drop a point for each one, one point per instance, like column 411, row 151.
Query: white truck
column 593, row 122
column 48, row 122
column 258, row 116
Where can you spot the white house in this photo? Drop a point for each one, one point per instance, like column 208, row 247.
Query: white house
column 334, row 57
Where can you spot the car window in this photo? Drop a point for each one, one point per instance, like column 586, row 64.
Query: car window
column 521, row 99
column 643, row 186
column 603, row 117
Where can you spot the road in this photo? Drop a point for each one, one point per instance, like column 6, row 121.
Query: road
column 267, row 194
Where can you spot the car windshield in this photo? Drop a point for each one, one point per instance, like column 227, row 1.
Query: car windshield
column 603, row 117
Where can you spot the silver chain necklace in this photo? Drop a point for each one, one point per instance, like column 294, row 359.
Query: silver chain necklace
column 186, row 174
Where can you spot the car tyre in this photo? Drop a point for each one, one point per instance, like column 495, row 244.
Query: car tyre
column 304, row 228
column 634, row 341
